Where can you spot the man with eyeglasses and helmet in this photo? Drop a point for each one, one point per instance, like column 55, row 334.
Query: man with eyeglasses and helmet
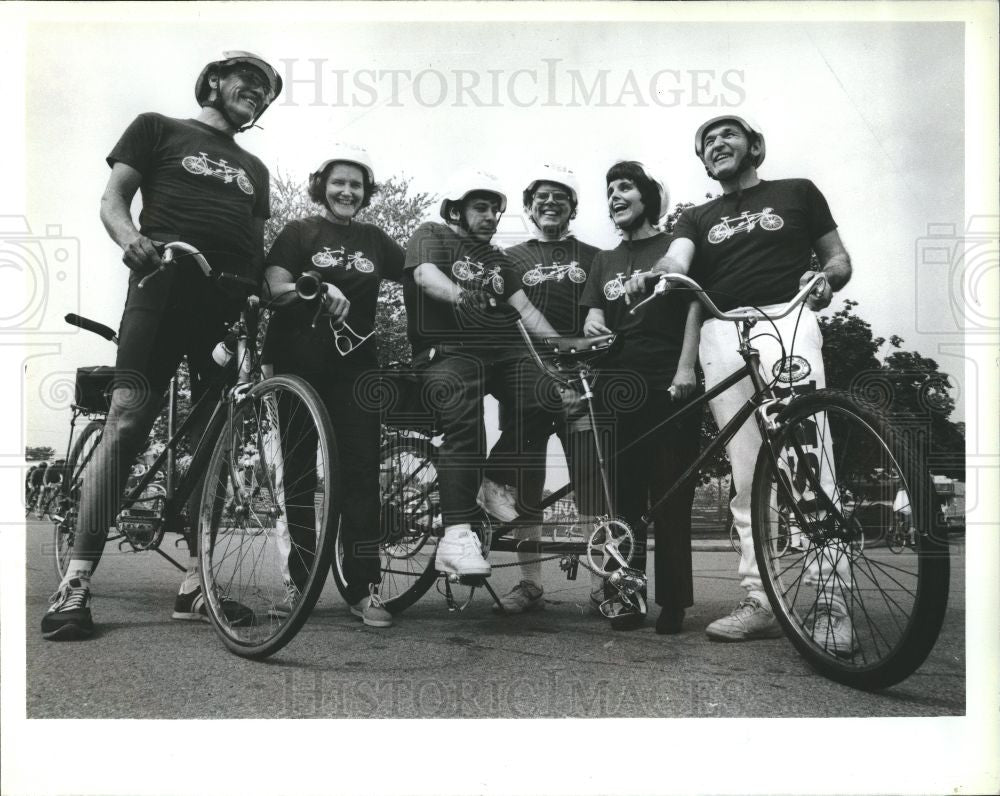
column 552, row 268
column 752, row 247
column 462, row 297
column 199, row 186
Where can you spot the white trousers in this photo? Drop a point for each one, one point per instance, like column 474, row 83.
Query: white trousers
column 719, row 355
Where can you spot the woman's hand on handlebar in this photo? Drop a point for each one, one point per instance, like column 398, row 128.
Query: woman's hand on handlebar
column 335, row 303
column 684, row 384
column 638, row 285
column 142, row 255
column 821, row 294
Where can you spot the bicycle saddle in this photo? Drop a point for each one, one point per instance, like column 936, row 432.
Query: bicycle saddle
column 563, row 346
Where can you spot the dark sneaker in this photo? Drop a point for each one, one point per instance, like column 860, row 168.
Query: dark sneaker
column 191, row 607
column 68, row 617
column 670, row 621
column 623, row 615
column 371, row 610
column 749, row 620
column 525, row 596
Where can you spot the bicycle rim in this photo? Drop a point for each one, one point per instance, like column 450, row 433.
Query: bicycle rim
column 859, row 612
column 268, row 510
column 410, row 524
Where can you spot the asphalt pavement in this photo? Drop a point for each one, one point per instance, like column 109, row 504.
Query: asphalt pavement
column 559, row 662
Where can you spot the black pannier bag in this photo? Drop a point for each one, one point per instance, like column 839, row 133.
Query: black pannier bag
column 93, row 388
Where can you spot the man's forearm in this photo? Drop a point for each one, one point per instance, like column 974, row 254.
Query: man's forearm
column 436, row 285
column 117, row 219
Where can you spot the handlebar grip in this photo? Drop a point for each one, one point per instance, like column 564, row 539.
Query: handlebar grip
column 91, row 326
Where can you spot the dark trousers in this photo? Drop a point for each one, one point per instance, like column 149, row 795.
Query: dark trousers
column 644, row 458
column 455, row 383
column 356, row 428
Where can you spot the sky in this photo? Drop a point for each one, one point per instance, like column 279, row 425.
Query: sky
column 879, row 104
column 873, row 113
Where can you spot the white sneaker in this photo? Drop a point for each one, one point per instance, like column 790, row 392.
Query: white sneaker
column 834, row 630
column 460, row 552
column 525, row 596
column 498, row 500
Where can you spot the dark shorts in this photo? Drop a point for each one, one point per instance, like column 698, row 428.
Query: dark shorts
column 159, row 327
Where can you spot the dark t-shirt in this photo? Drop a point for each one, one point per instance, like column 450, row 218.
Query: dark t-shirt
column 752, row 247
column 199, row 186
column 651, row 340
column 355, row 258
column 553, row 275
column 473, row 265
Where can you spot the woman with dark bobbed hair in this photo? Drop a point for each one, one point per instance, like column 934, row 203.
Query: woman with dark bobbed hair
column 333, row 350
column 653, row 364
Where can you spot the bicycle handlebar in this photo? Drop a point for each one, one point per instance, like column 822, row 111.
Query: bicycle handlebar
column 187, row 250
column 746, row 314
column 91, row 326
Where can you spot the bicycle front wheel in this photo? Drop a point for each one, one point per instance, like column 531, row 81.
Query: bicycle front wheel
column 411, row 524
column 268, row 513
column 68, row 507
column 823, row 498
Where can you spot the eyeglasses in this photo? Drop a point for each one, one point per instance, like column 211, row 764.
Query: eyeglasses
column 345, row 338
column 253, row 79
column 551, row 196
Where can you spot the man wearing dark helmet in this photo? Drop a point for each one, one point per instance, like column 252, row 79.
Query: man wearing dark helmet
column 199, row 186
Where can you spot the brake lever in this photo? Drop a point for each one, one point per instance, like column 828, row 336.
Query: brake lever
column 658, row 290
column 166, row 256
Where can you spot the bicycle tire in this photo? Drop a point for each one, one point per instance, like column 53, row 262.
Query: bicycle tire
column 895, row 602
column 64, row 524
column 269, row 506
column 410, row 521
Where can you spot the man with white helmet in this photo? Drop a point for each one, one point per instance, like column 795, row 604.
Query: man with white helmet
column 552, row 269
column 752, row 247
column 198, row 185
column 462, row 296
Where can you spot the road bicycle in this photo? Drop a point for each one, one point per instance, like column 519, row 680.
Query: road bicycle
column 266, row 470
column 820, row 473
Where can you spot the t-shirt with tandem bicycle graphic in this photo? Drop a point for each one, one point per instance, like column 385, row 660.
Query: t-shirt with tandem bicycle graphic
column 354, row 257
column 199, row 186
column 474, row 265
column 753, row 246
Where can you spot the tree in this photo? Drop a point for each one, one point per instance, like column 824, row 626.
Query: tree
column 38, row 453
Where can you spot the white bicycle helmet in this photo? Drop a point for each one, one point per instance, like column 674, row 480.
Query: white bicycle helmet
column 748, row 126
column 556, row 174
column 232, row 58
column 470, row 181
column 349, row 153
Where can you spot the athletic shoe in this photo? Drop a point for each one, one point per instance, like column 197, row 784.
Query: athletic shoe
column 459, row 552
column 191, row 607
column 283, row 609
column 834, row 631
column 525, row 596
column 68, row 617
column 670, row 621
column 371, row 610
column 624, row 616
column 749, row 620
column 498, row 500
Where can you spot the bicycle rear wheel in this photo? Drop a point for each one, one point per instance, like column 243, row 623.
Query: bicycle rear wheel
column 268, row 513
column 68, row 506
column 410, row 521
column 859, row 613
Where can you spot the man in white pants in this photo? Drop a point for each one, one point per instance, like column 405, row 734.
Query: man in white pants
column 752, row 247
